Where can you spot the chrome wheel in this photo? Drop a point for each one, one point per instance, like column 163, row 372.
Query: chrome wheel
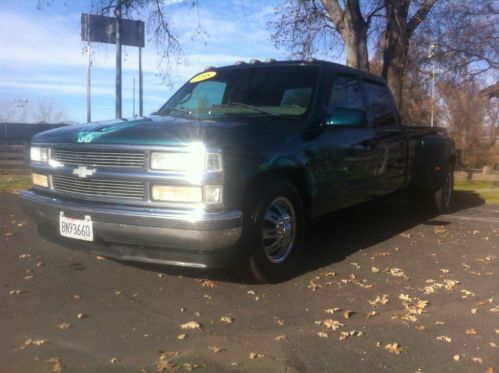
column 279, row 230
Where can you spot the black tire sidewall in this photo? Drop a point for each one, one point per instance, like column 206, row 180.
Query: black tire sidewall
column 259, row 265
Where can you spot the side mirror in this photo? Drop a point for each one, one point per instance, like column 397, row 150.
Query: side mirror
column 346, row 117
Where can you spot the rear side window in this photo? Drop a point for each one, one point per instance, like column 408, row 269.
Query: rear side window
column 346, row 94
column 381, row 105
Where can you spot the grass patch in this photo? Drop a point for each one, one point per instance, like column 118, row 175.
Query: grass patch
column 15, row 182
column 486, row 190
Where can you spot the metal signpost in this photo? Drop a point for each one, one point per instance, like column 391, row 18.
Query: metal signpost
column 113, row 30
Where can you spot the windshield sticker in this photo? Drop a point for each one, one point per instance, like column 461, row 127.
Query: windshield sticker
column 204, row 76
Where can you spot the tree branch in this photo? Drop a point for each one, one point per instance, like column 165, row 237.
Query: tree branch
column 420, row 15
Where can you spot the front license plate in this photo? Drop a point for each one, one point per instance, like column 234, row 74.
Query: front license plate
column 79, row 229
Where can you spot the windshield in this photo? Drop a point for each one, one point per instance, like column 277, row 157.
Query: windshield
column 263, row 90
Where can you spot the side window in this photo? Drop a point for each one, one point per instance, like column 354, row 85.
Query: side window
column 381, row 105
column 346, row 106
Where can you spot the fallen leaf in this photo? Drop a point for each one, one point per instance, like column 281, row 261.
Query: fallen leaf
column 332, row 310
column 64, row 326
column 492, row 344
column 182, row 336
column 444, row 338
column 251, row 292
column 190, row 325
column 393, row 348
column 29, row 277
column 227, row 319
column 114, row 360
column 280, row 338
column 279, row 322
column 314, row 286
column 474, row 310
column 456, row 357
column 77, row 296
column 330, row 274
column 470, row 331
column 330, row 324
column 40, row 264
column 208, row 283
column 24, row 256
column 397, row 272
column 98, row 257
column 374, row 269
column 322, row 334
column 490, row 370
column 255, row 355
column 16, row 292
column 477, row 360
column 379, row 300
column 347, row 314
column 372, row 314
column 216, row 350
column 81, row 315
column 57, row 365
column 345, row 335
column 164, row 363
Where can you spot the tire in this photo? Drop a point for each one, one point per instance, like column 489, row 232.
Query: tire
column 273, row 231
column 439, row 201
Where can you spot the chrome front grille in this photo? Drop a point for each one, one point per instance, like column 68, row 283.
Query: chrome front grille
column 131, row 190
column 98, row 157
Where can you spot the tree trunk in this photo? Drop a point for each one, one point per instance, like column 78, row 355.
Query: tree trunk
column 396, row 47
column 353, row 30
column 397, row 35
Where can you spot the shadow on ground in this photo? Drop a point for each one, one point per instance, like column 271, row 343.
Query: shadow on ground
column 334, row 237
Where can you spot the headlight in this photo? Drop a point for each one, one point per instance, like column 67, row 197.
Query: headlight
column 194, row 160
column 39, row 154
column 40, row 180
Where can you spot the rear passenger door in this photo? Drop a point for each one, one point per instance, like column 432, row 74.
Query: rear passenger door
column 390, row 144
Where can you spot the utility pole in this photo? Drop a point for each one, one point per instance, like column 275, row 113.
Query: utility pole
column 141, row 93
column 432, row 56
column 117, row 13
column 89, row 85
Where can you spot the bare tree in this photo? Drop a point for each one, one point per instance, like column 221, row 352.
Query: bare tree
column 22, row 110
column 48, row 111
column 396, row 22
column 304, row 26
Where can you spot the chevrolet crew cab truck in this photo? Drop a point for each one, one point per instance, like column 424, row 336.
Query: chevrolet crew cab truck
column 233, row 166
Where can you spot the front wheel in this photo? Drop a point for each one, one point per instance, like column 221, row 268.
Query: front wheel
column 273, row 231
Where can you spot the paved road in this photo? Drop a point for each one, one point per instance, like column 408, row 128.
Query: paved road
column 427, row 286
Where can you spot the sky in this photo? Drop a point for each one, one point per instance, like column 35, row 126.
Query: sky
column 43, row 59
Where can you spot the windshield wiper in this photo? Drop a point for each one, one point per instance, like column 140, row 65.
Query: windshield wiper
column 180, row 110
column 240, row 104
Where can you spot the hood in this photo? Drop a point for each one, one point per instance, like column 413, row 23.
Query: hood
column 159, row 130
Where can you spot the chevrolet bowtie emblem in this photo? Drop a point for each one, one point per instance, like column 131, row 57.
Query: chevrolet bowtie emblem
column 83, row 171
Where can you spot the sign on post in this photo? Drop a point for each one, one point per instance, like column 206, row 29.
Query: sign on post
column 102, row 29
column 114, row 30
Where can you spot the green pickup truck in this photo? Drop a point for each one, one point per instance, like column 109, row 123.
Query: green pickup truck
column 233, row 167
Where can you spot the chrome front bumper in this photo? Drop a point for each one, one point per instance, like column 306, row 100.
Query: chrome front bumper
column 165, row 236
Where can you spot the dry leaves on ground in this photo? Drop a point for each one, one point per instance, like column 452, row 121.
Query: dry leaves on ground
column 31, row 342
column 64, row 326
column 207, row 283
column 322, row 334
column 313, row 285
column 57, row 365
column 444, row 338
column 216, row 350
column 280, row 338
column 16, row 292
column 255, row 355
column 332, row 310
column 393, row 348
column 345, row 335
column 330, row 324
column 379, row 300
column 191, row 325
column 227, row 319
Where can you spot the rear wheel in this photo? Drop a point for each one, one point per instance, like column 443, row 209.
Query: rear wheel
column 439, row 201
column 273, row 231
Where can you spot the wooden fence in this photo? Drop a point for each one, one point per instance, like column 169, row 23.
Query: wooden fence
column 14, row 142
column 14, row 153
